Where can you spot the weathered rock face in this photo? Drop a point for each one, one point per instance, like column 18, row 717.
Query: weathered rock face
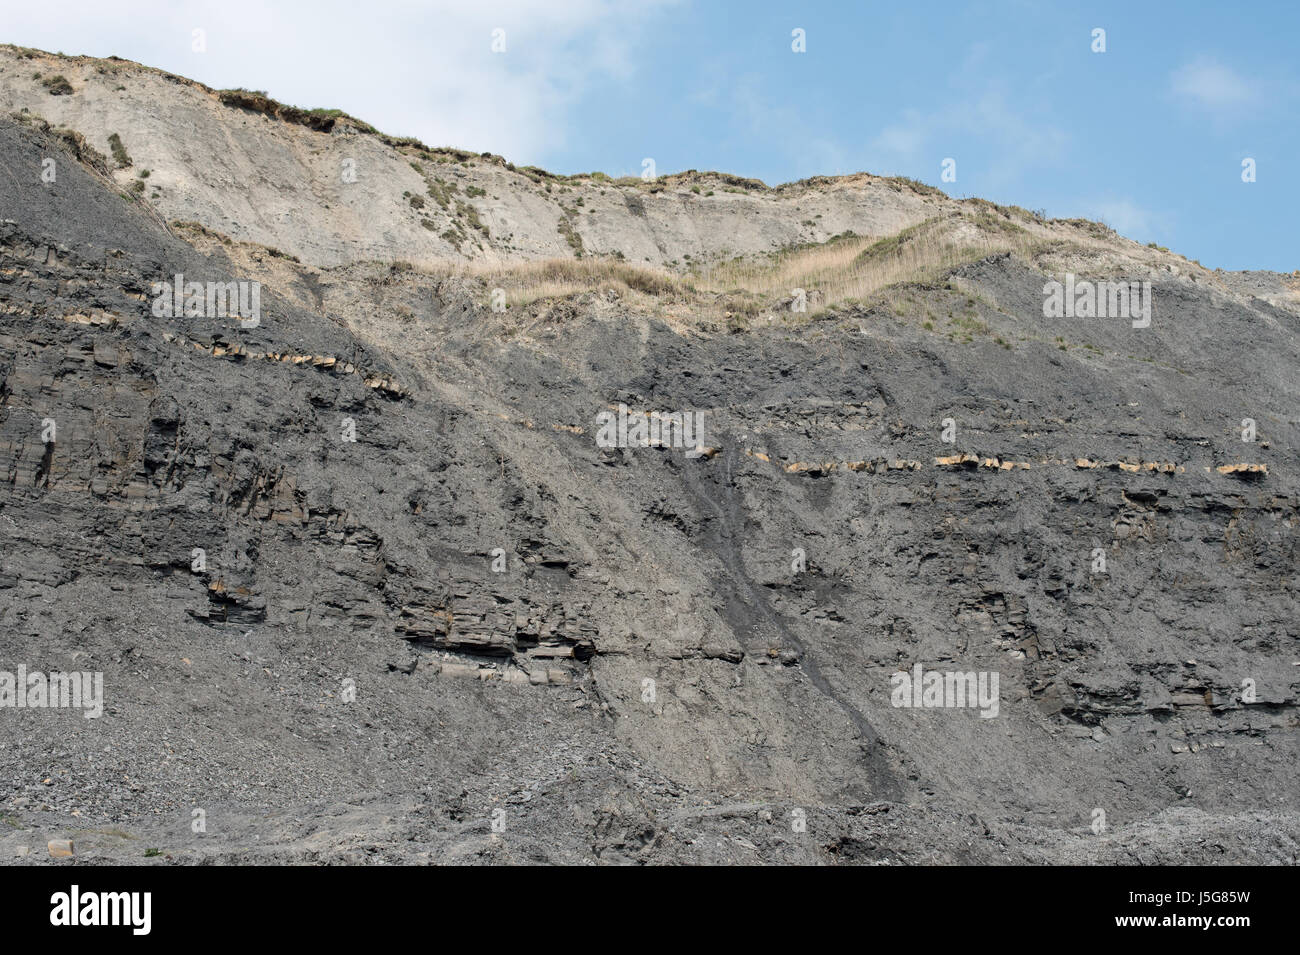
column 362, row 581
column 333, row 192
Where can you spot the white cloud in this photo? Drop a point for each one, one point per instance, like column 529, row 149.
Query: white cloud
column 1211, row 84
column 1021, row 140
column 1124, row 216
column 423, row 69
column 786, row 129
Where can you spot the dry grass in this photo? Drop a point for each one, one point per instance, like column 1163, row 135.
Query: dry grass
column 844, row 269
column 528, row 282
column 854, row 267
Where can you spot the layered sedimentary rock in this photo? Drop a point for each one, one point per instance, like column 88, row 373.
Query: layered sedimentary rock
column 363, row 584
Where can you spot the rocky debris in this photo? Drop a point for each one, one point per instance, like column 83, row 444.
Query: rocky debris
column 356, row 582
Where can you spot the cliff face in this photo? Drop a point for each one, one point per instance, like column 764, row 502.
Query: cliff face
column 363, row 582
column 331, row 191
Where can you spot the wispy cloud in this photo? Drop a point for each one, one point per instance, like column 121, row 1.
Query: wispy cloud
column 1210, row 84
column 1019, row 139
column 425, row 69
column 782, row 128
column 1124, row 216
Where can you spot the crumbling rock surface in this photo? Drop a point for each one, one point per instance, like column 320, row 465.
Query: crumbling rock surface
column 472, row 634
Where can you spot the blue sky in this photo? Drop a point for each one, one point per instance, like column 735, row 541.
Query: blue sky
column 1148, row 136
